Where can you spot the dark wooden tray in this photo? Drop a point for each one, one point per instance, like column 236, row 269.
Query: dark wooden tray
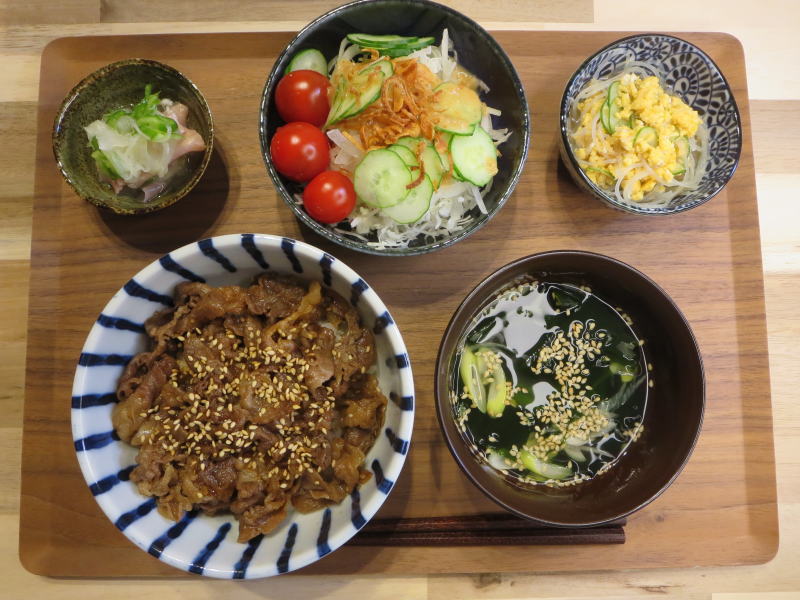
column 721, row 511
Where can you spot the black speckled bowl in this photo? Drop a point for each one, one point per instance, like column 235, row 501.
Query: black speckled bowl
column 122, row 84
column 691, row 74
column 477, row 51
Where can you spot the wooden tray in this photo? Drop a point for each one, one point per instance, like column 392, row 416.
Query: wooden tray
column 721, row 511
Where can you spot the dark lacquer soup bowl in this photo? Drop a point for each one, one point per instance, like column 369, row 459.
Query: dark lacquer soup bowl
column 671, row 419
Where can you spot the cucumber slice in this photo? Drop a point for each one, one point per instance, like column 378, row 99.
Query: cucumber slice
column 411, row 142
column 366, row 40
column 370, row 93
column 390, row 45
column 682, row 150
column 342, row 103
column 416, row 204
column 611, row 101
column 367, row 84
column 470, row 377
column 646, row 135
column 602, row 171
column 443, row 155
column 545, row 469
column 605, row 117
column 340, row 109
column 496, row 398
column 338, row 96
column 407, row 155
column 406, row 50
column 474, row 157
column 421, row 43
column 384, row 65
column 459, row 108
column 311, row 59
column 613, row 92
column 432, row 162
column 431, row 159
column 380, row 179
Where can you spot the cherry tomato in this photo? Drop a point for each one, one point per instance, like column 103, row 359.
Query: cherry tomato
column 329, row 197
column 300, row 151
column 303, row 96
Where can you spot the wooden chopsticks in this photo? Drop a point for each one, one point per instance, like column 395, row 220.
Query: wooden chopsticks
column 481, row 530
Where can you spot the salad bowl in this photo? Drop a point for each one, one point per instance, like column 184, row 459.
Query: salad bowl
column 476, row 51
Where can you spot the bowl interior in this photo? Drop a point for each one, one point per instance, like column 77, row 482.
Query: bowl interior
column 674, row 410
column 477, row 51
column 687, row 71
column 116, row 85
column 106, row 461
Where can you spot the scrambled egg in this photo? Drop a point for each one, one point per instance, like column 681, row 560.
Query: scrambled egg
column 640, row 103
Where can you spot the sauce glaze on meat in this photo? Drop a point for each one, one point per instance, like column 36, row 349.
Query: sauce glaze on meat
column 251, row 398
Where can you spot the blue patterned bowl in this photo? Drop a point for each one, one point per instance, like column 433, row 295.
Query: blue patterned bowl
column 691, row 74
column 202, row 544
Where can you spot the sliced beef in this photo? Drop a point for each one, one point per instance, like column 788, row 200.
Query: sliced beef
column 251, row 400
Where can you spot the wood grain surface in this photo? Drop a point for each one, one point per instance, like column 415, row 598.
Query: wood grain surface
column 13, row 12
column 767, row 29
column 721, row 511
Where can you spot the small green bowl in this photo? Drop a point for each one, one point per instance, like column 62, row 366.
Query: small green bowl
column 117, row 85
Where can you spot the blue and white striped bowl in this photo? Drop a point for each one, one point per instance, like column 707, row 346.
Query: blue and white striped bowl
column 198, row 543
